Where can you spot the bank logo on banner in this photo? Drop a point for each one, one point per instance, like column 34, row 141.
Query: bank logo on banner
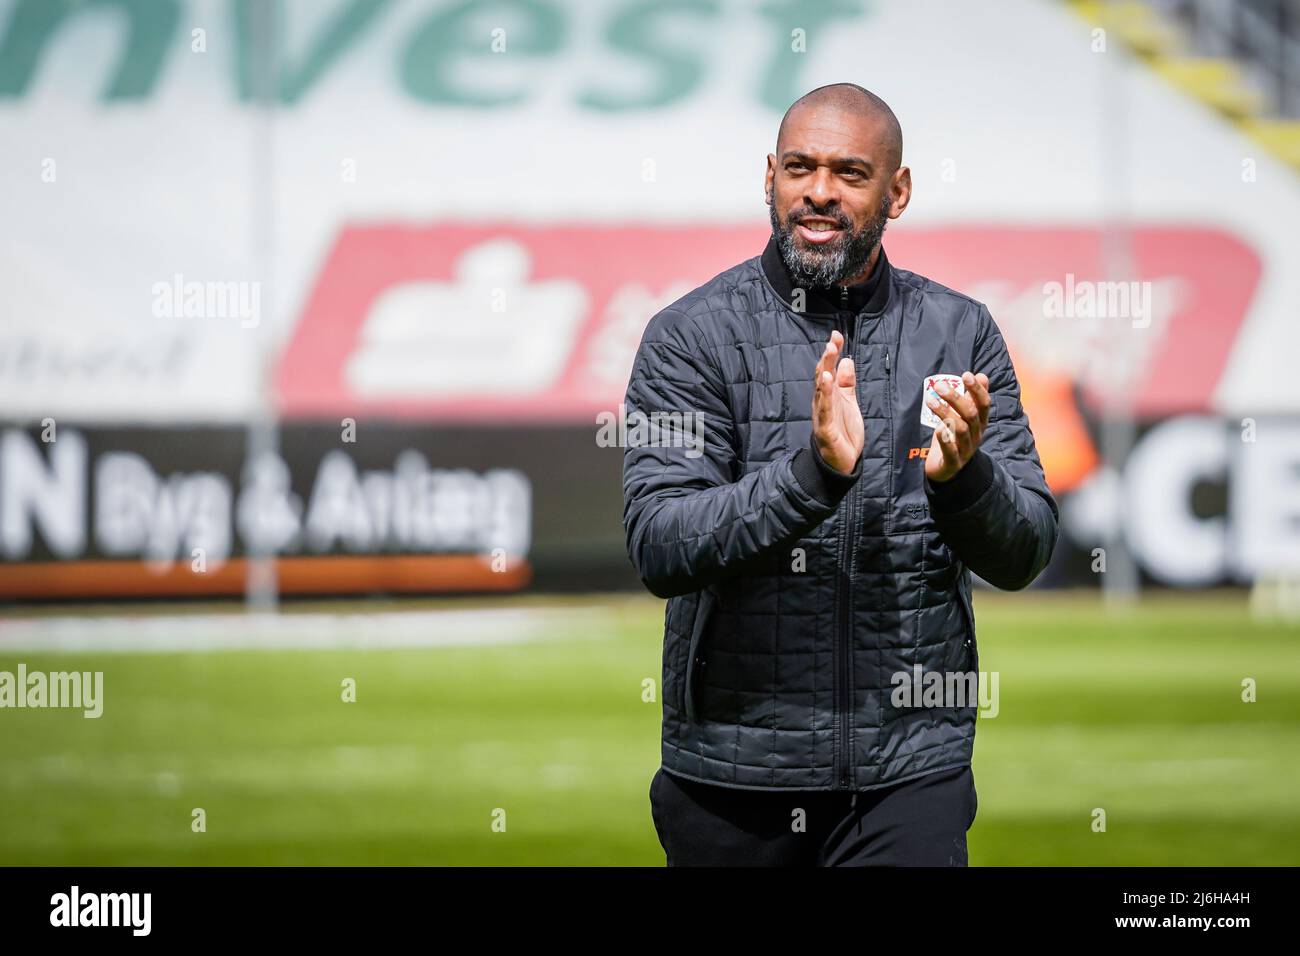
column 491, row 327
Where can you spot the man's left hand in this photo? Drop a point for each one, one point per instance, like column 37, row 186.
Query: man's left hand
column 964, row 419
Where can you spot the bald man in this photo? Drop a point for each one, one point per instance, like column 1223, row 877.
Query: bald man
column 863, row 452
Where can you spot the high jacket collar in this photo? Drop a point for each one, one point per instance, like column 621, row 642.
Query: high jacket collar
column 870, row 296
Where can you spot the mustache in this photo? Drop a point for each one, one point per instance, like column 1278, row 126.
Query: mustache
column 839, row 218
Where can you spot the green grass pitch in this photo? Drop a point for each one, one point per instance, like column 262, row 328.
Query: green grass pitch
column 1136, row 711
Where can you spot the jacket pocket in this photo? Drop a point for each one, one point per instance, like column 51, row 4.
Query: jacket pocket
column 694, row 652
column 972, row 649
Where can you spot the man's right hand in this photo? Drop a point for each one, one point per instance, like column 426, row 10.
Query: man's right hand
column 837, row 420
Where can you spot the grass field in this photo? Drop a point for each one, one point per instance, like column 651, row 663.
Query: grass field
column 1138, row 712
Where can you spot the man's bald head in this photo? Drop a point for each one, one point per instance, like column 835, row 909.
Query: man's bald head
column 854, row 99
column 835, row 180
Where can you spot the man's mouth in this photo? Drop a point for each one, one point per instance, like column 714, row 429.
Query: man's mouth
column 818, row 231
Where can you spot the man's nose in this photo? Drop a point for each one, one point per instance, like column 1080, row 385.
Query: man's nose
column 821, row 190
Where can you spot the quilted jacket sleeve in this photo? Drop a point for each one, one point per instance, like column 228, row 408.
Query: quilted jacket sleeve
column 997, row 514
column 689, row 516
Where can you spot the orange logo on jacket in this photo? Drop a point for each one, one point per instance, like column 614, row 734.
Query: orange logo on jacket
column 918, row 452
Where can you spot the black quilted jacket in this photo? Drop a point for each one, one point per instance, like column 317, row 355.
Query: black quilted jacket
column 796, row 594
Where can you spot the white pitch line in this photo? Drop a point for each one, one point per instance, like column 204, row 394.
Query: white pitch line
column 306, row 631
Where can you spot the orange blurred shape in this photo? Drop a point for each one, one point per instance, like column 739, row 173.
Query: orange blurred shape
column 1062, row 439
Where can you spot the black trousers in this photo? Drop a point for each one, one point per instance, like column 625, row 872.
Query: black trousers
column 920, row 822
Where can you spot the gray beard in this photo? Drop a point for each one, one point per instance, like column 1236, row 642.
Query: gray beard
column 810, row 268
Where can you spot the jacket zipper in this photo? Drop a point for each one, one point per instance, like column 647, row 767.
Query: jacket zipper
column 844, row 695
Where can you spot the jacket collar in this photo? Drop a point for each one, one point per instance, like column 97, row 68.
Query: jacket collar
column 871, row 296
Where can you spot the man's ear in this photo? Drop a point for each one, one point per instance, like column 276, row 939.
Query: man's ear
column 769, row 177
column 901, row 189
